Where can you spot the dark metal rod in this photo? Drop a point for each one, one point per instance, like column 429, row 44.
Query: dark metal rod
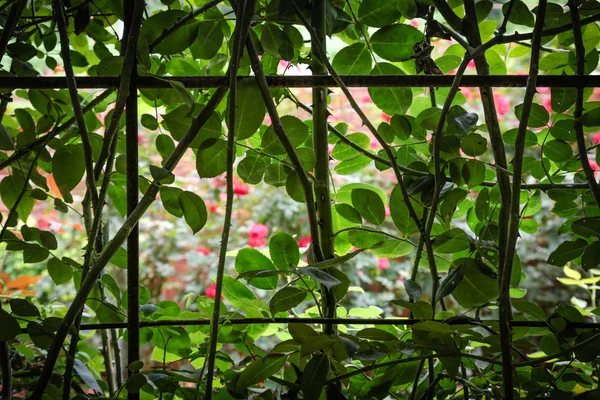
column 292, row 81
column 338, row 321
column 133, row 240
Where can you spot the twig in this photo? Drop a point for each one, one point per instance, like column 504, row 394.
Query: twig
column 579, row 134
column 513, row 228
column 245, row 11
column 439, row 176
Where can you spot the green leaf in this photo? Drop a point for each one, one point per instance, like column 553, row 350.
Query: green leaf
column 378, row 13
column 348, row 212
column 566, row 252
column 520, row 14
column 562, row 98
column 587, row 226
column 320, row 276
column 194, row 210
column 149, row 122
column 68, row 166
column 591, row 118
column 460, row 121
column 251, row 169
column 529, row 308
column 353, row 60
column 208, row 40
column 590, row 258
column 236, row 292
column 413, row 289
column 538, row 118
column 110, row 66
column 474, row 145
column 558, row 151
column 183, row 93
column 451, row 241
column 590, row 351
column 23, row 308
column 295, row 129
column 162, row 175
column 369, row 205
column 252, row 259
column 395, row 42
column 34, row 253
column 314, row 376
column 260, row 370
column 476, row 287
column 390, row 100
column 343, row 151
column 10, row 326
column 473, row 172
column 376, row 334
column 212, row 161
column 276, row 43
column 451, row 281
column 284, row 251
column 400, row 214
column 59, row 271
column 169, row 197
column 250, row 110
column 286, row 299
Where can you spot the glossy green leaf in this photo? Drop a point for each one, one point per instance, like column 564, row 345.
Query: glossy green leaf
column 284, row 251
column 566, row 252
column 286, row 299
column 369, row 205
column 353, row 60
column 194, row 210
column 250, row 260
column 395, row 42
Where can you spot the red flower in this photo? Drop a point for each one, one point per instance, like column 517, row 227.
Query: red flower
column 211, row 291
column 594, row 166
column 502, row 104
column 258, row 234
column 203, row 251
column 386, row 117
column 240, row 188
column 383, row 264
column 596, row 138
column 305, row 241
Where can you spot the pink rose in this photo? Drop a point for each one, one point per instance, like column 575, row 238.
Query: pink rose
column 305, row 241
column 596, row 138
column 383, row 264
column 258, row 234
column 502, row 104
column 203, row 250
column 211, row 291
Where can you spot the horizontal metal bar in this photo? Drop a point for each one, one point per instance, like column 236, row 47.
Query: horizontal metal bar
column 337, row 321
column 297, row 81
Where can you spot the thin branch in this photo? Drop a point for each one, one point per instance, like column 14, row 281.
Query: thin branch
column 579, row 134
column 11, row 22
column 244, row 13
column 439, row 176
column 514, row 218
column 449, row 15
column 61, row 22
column 128, row 70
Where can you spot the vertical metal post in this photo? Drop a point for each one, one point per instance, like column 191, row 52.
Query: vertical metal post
column 133, row 266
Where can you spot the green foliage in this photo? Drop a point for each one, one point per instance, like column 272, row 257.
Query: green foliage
column 409, row 220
